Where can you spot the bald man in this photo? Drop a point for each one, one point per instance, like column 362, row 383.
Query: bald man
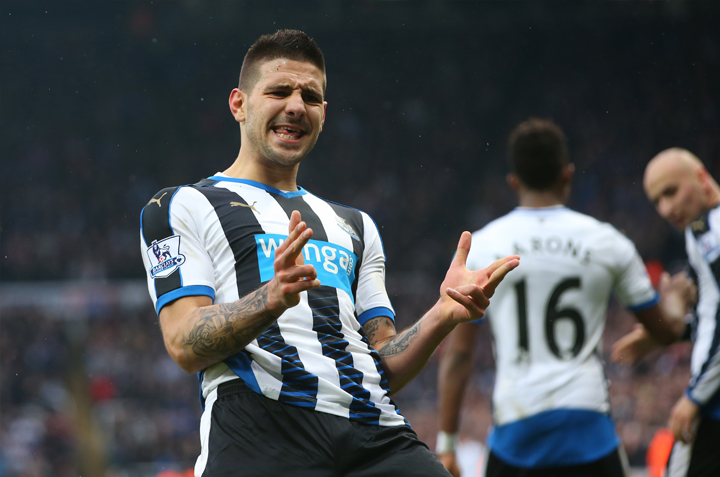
column 685, row 194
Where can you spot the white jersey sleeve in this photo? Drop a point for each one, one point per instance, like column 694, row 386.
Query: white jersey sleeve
column 480, row 256
column 483, row 253
column 632, row 283
column 372, row 298
column 172, row 250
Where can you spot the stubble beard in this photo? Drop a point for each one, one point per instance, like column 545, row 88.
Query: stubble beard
column 256, row 135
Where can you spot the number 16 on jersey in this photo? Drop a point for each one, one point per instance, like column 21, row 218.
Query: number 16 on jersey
column 553, row 316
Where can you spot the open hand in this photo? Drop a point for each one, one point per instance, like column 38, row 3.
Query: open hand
column 464, row 294
column 292, row 276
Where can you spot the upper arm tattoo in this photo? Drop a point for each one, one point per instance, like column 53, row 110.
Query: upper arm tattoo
column 377, row 327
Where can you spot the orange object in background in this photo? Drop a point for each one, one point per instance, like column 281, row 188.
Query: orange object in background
column 175, row 473
column 658, row 452
column 654, row 269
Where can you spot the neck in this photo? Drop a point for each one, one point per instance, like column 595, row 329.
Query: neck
column 264, row 171
column 536, row 199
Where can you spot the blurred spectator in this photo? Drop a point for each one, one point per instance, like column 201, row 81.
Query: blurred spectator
column 141, row 105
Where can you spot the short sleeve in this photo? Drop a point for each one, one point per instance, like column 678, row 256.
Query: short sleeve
column 480, row 255
column 175, row 260
column 371, row 297
column 632, row 284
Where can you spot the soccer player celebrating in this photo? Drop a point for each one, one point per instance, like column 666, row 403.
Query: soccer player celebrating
column 276, row 297
column 685, row 194
column 550, row 402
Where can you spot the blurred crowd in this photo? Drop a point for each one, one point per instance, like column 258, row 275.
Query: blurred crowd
column 104, row 390
column 136, row 100
column 419, row 109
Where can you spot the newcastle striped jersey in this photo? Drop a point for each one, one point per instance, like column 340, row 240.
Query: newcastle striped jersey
column 218, row 238
column 702, row 240
column 547, row 319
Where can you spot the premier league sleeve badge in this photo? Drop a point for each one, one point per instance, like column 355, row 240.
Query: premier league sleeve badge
column 165, row 257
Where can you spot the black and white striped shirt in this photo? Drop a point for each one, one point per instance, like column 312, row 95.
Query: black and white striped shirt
column 702, row 241
column 218, row 238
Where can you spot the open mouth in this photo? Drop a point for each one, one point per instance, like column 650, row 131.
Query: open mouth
column 288, row 133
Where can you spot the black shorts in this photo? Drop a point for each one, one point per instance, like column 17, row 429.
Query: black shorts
column 701, row 458
column 612, row 465
column 246, row 434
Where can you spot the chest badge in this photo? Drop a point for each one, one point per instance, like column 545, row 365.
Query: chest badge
column 347, row 227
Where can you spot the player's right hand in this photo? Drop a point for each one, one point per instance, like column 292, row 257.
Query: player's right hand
column 450, row 462
column 292, row 275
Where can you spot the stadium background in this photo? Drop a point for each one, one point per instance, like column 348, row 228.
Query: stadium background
column 104, row 103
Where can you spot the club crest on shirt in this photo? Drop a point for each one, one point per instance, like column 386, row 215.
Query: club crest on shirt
column 346, row 227
column 165, row 256
column 698, row 226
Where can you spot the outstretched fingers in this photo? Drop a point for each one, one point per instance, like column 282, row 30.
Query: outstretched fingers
column 490, row 269
column 288, row 253
column 463, row 249
column 295, row 219
column 497, row 271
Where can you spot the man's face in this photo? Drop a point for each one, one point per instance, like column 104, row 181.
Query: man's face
column 285, row 110
column 676, row 192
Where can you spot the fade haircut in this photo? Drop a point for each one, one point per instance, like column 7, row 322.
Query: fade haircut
column 538, row 152
column 289, row 44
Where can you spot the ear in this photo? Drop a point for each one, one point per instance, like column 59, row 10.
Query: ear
column 238, row 104
column 513, row 181
column 322, row 121
column 705, row 180
column 568, row 172
column 702, row 175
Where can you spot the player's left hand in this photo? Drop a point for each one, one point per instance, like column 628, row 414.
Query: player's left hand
column 684, row 420
column 632, row 347
column 464, row 294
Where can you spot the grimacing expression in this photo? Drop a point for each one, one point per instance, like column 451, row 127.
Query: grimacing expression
column 285, row 110
column 677, row 194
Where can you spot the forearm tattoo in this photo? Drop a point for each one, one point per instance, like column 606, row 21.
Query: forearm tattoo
column 401, row 342
column 221, row 330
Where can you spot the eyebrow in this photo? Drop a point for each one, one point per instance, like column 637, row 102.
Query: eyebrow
column 288, row 86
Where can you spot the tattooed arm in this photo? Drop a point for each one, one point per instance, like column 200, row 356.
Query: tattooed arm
column 199, row 334
column 464, row 296
column 404, row 354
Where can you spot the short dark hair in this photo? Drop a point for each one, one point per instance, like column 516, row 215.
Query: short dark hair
column 538, row 152
column 290, row 44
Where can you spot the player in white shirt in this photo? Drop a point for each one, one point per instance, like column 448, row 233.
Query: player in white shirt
column 685, row 194
column 276, row 297
column 551, row 409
